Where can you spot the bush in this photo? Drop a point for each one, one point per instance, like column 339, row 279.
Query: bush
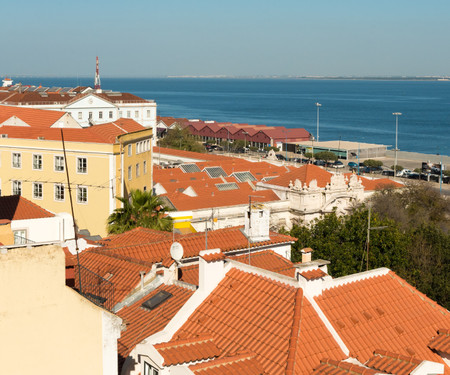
column 326, row 156
column 267, row 149
column 253, row 148
column 398, row 168
column 373, row 163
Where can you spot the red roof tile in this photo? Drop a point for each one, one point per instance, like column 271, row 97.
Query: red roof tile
column 256, row 314
column 142, row 323
column 38, row 118
column 245, row 363
column 441, row 342
column 329, row 366
column 313, row 274
column 135, row 236
column 393, row 363
column 226, row 239
column 306, row 173
column 383, row 312
column 188, row 350
column 213, row 257
column 16, row 207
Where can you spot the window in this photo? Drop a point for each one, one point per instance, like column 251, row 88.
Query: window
column 90, row 115
column 37, row 161
column 130, row 150
column 80, row 115
column 128, row 114
column 129, row 172
column 59, row 192
column 150, row 370
column 59, row 163
column 144, row 166
column 81, row 165
column 37, row 190
column 20, row 237
column 110, row 114
column 136, row 114
column 82, row 194
column 120, row 114
column 16, row 160
column 17, row 187
column 137, row 170
column 100, row 115
column 148, row 113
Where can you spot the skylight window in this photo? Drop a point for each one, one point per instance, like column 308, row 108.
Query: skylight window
column 244, row 176
column 215, row 172
column 189, row 168
column 157, row 300
column 227, row 186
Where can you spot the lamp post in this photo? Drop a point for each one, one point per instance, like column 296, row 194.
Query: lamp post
column 318, row 105
column 396, row 114
column 245, row 135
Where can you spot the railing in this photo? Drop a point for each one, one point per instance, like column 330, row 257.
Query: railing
column 95, row 288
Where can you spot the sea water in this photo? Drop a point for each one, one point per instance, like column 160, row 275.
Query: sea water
column 351, row 110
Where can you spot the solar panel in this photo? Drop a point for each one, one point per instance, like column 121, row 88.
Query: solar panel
column 65, row 89
column 227, row 186
column 244, row 176
column 189, row 168
column 41, row 89
column 215, row 172
column 156, row 300
column 269, row 178
column 53, row 89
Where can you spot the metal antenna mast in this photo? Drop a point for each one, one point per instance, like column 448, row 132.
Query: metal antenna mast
column 97, row 84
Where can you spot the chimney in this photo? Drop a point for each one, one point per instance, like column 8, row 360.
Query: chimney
column 257, row 219
column 170, row 269
column 142, row 273
column 210, row 268
column 306, row 254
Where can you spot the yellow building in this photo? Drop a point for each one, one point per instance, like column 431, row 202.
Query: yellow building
column 47, row 327
column 103, row 161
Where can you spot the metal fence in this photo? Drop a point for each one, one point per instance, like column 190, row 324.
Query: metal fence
column 94, row 287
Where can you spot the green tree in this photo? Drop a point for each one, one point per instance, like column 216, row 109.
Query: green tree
column 181, row 139
column 398, row 168
column 142, row 209
column 326, row 156
column 373, row 163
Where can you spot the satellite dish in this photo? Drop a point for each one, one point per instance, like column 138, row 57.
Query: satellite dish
column 176, row 251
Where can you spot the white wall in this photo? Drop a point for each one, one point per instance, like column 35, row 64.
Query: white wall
column 49, row 229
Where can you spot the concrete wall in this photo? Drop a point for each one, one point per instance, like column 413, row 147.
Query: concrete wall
column 46, row 327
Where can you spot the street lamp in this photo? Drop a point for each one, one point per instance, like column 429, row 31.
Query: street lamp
column 396, row 114
column 318, row 105
column 245, row 135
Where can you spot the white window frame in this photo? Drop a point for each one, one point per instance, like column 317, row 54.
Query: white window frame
column 130, row 150
column 148, row 113
column 136, row 114
column 57, row 193
column 16, row 160
column 110, row 114
column 41, row 190
column 55, row 164
column 150, row 370
column 79, row 189
column 80, row 171
column 41, row 162
column 128, row 114
column 120, row 114
column 16, row 187
column 20, row 236
column 100, row 115
column 80, row 115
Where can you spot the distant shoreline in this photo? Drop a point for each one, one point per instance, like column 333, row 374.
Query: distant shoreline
column 275, row 77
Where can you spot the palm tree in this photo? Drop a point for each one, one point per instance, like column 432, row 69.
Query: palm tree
column 142, row 209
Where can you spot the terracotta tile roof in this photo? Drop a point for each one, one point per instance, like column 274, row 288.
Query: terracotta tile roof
column 38, row 118
column 142, row 323
column 383, row 311
column 123, row 273
column 16, row 207
column 226, row 239
column 185, row 154
column 376, row 183
column 211, row 197
column 189, row 274
column 268, row 260
column 306, row 173
column 393, row 363
column 135, row 236
column 189, row 350
column 239, row 364
column 441, row 342
column 329, row 366
column 213, row 257
column 167, row 262
column 247, row 312
column 103, row 133
column 313, row 274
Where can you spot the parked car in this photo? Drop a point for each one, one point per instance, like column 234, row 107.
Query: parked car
column 338, row 164
column 388, row 172
column 280, row 157
column 404, row 173
column 352, row 165
column 319, row 162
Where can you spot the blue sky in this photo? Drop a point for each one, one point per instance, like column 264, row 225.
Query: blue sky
column 239, row 38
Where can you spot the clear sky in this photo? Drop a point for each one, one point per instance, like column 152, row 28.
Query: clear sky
column 150, row 38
